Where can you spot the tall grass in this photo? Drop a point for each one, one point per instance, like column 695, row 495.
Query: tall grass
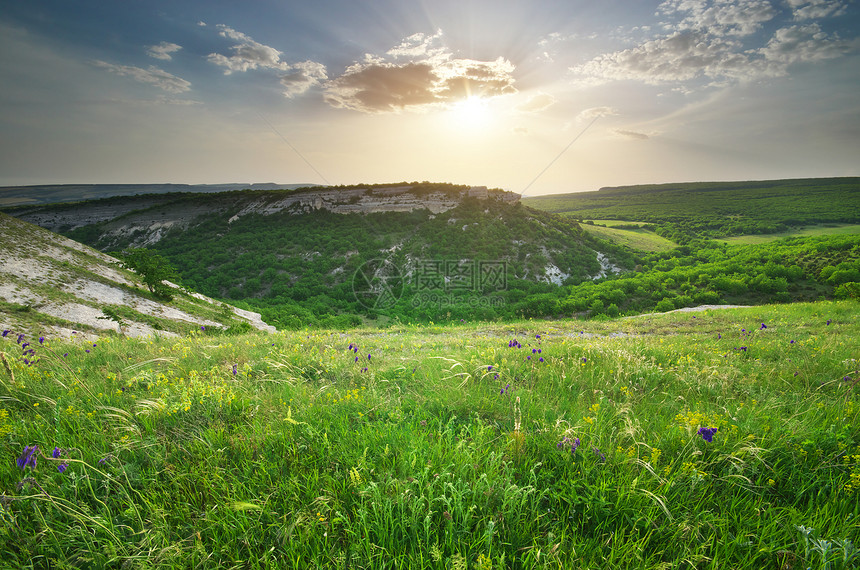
column 442, row 447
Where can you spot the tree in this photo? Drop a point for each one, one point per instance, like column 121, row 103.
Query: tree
column 152, row 269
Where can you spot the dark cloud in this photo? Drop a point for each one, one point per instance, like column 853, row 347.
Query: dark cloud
column 383, row 88
column 431, row 77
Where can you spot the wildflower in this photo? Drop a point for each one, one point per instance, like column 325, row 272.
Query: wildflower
column 235, row 368
column 41, row 340
column 707, row 433
column 537, row 336
column 5, row 332
column 829, row 321
column 541, row 359
column 28, row 457
column 599, row 454
column 584, row 360
column 574, row 446
column 763, row 326
column 368, row 357
column 489, row 368
column 56, row 453
column 62, row 467
column 719, row 336
column 202, row 328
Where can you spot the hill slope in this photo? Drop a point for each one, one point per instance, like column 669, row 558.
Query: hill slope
column 682, row 212
column 297, row 255
column 52, row 285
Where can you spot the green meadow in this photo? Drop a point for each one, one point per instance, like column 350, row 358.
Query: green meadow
column 714, row 439
column 809, row 231
column 636, row 239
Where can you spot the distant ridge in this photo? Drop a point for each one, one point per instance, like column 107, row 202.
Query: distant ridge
column 55, row 193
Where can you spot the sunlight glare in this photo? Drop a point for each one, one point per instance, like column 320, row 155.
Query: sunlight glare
column 471, row 114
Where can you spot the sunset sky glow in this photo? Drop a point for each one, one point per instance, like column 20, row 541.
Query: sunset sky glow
column 470, row 92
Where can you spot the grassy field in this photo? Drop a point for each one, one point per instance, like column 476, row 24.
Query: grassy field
column 636, row 239
column 816, row 230
column 715, row 439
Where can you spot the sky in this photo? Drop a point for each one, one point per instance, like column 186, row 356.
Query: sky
column 537, row 97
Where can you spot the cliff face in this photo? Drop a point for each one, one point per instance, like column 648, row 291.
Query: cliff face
column 146, row 219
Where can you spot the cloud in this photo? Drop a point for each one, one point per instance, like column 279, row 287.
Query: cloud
column 163, row 50
column 520, row 131
column 736, row 18
column 686, row 56
column 383, row 87
column 247, row 53
column 803, row 44
column 151, row 75
column 302, row 77
column 537, row 103
column 632, row 135
column 679, row 57
column 595, row 112
column 815, row 9
column 429, row 76
column 419, row 46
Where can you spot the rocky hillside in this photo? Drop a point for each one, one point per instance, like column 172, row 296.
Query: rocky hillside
column 315, row 255
column 53, row 286
column 143, row 220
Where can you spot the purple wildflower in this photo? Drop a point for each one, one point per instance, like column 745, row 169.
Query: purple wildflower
column 599, row 454
column 763, row 326
column 489, row 368
column 41, row 340
column 829, row 321
column 28, row 457
column 584, row 360
column 5, row 332
column 56, row 453
column 235, row 369
column 574, row 446
column 62, row 467
column 707, row 433
column 541, row 359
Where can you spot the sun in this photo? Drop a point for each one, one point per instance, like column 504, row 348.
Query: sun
column 471, row 114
